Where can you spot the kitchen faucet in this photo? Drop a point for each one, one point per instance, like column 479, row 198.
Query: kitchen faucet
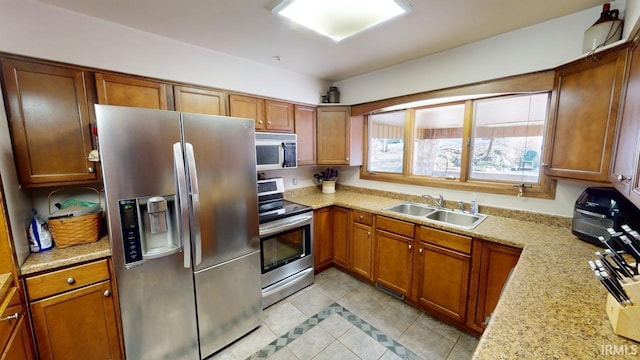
column 439, row 202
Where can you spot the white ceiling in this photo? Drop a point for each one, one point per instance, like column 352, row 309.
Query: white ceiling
column 248, row 29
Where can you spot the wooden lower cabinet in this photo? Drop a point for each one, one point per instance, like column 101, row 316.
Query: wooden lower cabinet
column 19, row 345
column 361, row 244
column 322, row 238
column 442, row 265
column 393, row 254
column 77, row 317
column 492, row 264
column 341, row 236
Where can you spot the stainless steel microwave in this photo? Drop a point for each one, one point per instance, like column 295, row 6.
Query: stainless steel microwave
column 276, row 151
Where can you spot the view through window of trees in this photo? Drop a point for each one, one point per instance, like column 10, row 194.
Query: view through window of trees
column 437, row 149
column 386, row 142
column 507, row 138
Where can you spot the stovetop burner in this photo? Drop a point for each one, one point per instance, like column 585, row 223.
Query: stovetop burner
column 288, row 208
column 271, row 203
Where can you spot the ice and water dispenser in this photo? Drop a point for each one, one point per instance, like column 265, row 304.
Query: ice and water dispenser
column 149, row 228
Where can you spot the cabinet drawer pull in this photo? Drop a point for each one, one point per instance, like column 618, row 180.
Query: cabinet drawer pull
column 107, row 293
column 622, row 178
column 10, row 317
column 71, row 281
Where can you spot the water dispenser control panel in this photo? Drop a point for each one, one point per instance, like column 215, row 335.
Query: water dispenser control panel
column 130, row 231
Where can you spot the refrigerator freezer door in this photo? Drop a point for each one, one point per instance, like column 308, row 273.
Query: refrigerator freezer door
column 224, row 155
column 157, row 300
column 229, row 301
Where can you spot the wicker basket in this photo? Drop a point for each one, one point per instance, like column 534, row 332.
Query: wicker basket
column 75, row 230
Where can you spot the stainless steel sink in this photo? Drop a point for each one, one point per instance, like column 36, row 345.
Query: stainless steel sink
column 411, row 209
column 439, row 215
column 450, row 217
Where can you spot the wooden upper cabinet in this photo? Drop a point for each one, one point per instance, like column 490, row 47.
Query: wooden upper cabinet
column 279, row 116
column 339, row 136
column 247, row 107
column 626, row 156
column 582, row 120
column 128, row 91
column 305, row 128
column 200, row 101
column 49, row 111
column 269, row 115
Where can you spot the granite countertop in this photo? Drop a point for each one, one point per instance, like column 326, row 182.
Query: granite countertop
column 5, row 282
column 59, row 257
column 552, row 308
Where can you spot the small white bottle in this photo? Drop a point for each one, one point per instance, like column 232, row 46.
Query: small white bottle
column 473, row 208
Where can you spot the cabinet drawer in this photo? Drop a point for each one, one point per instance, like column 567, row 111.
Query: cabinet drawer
column 446, row 239
column 362, row 217
column 395, row 226
column 9, row 307
column 66, row 279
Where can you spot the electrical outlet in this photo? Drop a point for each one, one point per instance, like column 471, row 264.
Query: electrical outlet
column 294, row 181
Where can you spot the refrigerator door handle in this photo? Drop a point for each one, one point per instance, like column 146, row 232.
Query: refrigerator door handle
column 183, row 212
column 195, row 201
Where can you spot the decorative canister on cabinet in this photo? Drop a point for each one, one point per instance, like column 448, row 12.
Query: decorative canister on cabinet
column 334, row 94
column 607, row 29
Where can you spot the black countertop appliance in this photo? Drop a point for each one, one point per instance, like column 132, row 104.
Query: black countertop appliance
column 600, row 208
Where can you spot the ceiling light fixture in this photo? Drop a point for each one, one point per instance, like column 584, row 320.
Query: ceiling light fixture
column 339, row 19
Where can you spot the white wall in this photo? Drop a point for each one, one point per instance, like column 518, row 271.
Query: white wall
column 18, row 202
column 40, row 30
column 538, row 47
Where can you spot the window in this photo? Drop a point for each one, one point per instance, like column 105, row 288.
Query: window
column 386, row 142
column 507, row 138
column 437, row 149
column 486, row 144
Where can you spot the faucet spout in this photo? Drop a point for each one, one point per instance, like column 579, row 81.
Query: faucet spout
column 439, row 201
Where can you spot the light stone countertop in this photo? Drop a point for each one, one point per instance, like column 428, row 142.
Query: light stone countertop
column 5, row 281
column 60, row 257
column 552, row 308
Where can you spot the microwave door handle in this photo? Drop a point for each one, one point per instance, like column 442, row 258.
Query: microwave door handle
column 195, row 201
column 183, row 205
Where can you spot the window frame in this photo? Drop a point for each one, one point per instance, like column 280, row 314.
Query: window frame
column 519, row 85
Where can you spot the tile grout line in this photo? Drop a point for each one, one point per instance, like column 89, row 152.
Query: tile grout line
column 335, row 308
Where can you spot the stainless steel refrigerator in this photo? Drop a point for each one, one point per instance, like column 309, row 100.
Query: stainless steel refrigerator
column 183, row 223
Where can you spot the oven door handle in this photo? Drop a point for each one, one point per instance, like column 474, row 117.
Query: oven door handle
column 302, row 220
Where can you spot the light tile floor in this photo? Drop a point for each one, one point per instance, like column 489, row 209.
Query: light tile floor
column 339, row 317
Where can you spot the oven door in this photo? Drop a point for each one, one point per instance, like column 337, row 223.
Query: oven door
column 286, row 247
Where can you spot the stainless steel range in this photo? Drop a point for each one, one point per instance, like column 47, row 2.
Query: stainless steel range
column 286, row 242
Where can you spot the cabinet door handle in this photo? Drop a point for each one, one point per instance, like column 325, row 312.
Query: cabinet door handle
column 421, row 250
column 91, row 169
column 622, row 178
column 368, row 233
column 268, row 122
column 260, row 122
column 361, row 217
column 107, row 293
column 71, row 281
column 10, row 317
column 347, row 158
column 544, row 165
column 410, row 246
